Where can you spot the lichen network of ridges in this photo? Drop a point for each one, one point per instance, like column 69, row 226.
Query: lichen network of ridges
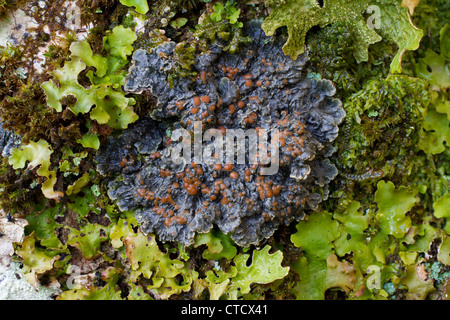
column 259, row 87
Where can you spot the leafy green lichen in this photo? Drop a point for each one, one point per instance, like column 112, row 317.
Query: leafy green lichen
column 435, row 67
column 264, row 268
column 301, row 16
column 235, row 282
column 88, row 239
column 442, row 210
column 392, row 207
column 219, row 245
column 37, row 154
column 105, row 93
column 147, row 260
column 35, row 260
column 141, row 5
column 436, row 130
column 43, row 224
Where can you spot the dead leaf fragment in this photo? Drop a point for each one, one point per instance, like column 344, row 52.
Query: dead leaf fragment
column 411, row 5
column 340, row 274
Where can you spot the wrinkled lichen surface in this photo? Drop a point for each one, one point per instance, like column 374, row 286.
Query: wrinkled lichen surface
column 8, row 140
column 257, row 88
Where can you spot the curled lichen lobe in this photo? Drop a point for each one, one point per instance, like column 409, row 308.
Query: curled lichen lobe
column 260, row 89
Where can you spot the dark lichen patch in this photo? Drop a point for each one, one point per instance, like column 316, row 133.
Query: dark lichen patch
column 120, row 153
column 259, row 88
column 8, row 140
column 12, row 193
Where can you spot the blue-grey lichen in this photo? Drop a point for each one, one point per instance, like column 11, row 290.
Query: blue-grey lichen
column 257, row 88
column 8, row 140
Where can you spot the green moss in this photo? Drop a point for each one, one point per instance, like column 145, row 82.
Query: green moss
column 7, row 6
column 22, row 103
column 183, row 58
column 179, row 5
column 333, row 48
column 385, row 143
column 222, row 24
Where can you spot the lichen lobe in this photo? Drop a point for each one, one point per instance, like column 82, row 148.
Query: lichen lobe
column 8, row 140
column 258, row 88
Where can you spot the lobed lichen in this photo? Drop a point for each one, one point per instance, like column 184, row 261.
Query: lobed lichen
column 7, row 141
column 259, row 88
